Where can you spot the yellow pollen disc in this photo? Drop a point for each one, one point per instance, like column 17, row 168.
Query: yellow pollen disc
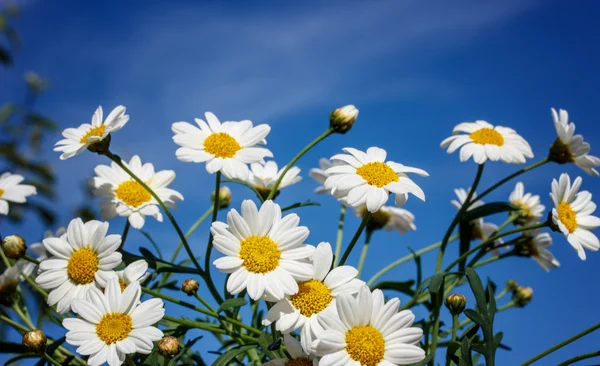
column 487, row 136
column 122, row 285
column 567, row 216
column 82, row 266
column 525, row 210
column 221, row 145
column 365, row 344
column 377, row 174
column 132, row 193
column 93, row 132
column 312, row 297
column 1, row 192
column 260, row 254
column 114, row 327
column 299, row 362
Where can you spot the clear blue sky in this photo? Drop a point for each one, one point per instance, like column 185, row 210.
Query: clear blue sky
column 414, row 70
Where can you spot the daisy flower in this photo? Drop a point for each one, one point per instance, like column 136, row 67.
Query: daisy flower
column 531, row 210
column 87, row 135
column 483, row 141
column 264, row 252
column 9, row 280
column 114, row 324
column 11, row 190
column 480, row 230
column 41, row 253
column 536, row 245
column 314, row 297
column 368, row 331
column 227, row 147
column 263, row 177
column 572, row 213
column 299, row 357
column 570, row 148
column 134, row 272
column 389, row 218
column 82, row 259
column 123, row 196
column 365, row 178
column 319, row 175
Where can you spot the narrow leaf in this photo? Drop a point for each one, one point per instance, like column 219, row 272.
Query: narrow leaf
column 437, row 282
column 401, row 286
column 465, row 231
column 232, row 304
column 487, row 210
column 478, row 291
column 228, row 356
column 475, row 317
column 417, row 260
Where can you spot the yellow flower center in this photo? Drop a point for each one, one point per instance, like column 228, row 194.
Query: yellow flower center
column 114, row 327
column 487, row 136
column 365, row 344
column 377, row 174
column 122, row 285
column 221, row 145
column 567, row 216
column 260, row 254
column 312, row 297
column 132, row 193
column 93, row 132
column 1, row 192
column 82, row 266
column 299, row 362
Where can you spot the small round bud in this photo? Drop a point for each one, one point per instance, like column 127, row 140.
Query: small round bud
column 190, row 286
column 14, row 246
column 34, row 341
column 456, row 303
column 224, row 197
column 522, row 296
column 512, row 285
column 169, row 346
column 342, row 119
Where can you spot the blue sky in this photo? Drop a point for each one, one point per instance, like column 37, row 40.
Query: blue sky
column 414, row 70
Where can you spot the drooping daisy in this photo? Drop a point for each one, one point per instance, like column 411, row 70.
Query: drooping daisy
column 485, row 142
column 314, row 297
column 78, row 139
column 135, row 271
column 264, row 252
column 299, row 357
column 263, row 177
column 368, row 331
column 9, row 280
column 82, row 259
column 389, row 218
column 572, row 213
column 227, row 147
column 123, row 196
column 570, row 148
column 366, row 179
column 11, row 190
column 531, row 208
column 114, row 324
column 536, row 245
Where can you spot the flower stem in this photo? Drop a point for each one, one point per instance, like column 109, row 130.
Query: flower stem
column 29, row 259
column 189, row 232
column 50, row 359
column 582, row 357
column 359, row 231
column 340, row 235
column 455, row 326
column 363, row 254
column 203, row 326
column 207, row 276
column 125, row 232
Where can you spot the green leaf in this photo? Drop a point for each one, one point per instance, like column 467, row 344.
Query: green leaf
column 437, row 282
column 417, row 260
column 300, row 204
column 228, row 356
column 401, row 286
column 465, row 353
column 264, row 340
column 41, row 121
column 479, row 348
column 453, row 351
column 475, row 317
column 20, row 357
column 487, row 210
column 491, row 302
column 229, row 304
column 54, row 346
column 498, row 339
column 185, row 348
column 9, row 347
column 478, row 291
column 465, row 229
column 470, row 332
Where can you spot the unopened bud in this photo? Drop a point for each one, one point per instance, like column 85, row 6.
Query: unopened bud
column 522, row 296
column 512, row 285
column 14, row 246
column 456, row 303
column 169, row 347
column 190, row 286
column 342, row 119
column 34, row 341
column 224, row 197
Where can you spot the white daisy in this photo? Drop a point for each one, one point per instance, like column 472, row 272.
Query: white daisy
column 365, row 178
column 319, row 175
column 570, row 148
column 572, row 213
column 80, row 138
column 389, row 218
column 536, row 245
column 263, row 177
column 114, row 324
column 134, row 272
column 368, row 331
column 483, row 141
column 40, row 252
column 299, row 357
column 314, row 297
column 264, row 252
column 123, row 196
column 531, row 208
column 11, row 190
column 9, row 280
column 82, row 259
column 225, row 147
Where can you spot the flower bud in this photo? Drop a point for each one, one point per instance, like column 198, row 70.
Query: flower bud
column 512, row 285
column 14, row 246
column 34, row 82
column 522, row 296
column 224, row 197
column 455, row 303
column 342, row 119
column 34, row 341
column 169, row 347
column 190, row 286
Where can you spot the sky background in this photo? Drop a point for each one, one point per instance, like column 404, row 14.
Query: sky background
column 414, row 69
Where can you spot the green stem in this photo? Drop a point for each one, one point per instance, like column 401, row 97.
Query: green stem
column 202, row 326
column 4, row 258
column 14, row 324
column 363, row 254
column 189, row 232
column 487, row 261
column 32, row 260
column 340, row 235
column 23, row 317
column 204, row 302
column 582, row 357
column 359, row 231
column 324, row 135
column 50, row 359
column 125, row 232
column 455, row 326
column 506, row 306
column 209, row 246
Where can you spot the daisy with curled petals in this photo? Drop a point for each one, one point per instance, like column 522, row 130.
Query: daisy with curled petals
column 82, row 259
column 366, row 179
column 483, row 142
column 263, row 177
column 227, row 147
column 299, row 357
column 531, row 210
column 11, row 190
column 572, row 213
column 134, row 272
column 368, row 331
column 264, row 252
column 78, row 139
column 123, row 196
column 314, row 297
column 389, row 218
column 536, row 245
column 570, row 148
column 114, row 324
